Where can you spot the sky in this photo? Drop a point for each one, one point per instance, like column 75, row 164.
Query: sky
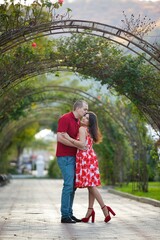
column 108, row 11
column 46, row 134
column 111, row 11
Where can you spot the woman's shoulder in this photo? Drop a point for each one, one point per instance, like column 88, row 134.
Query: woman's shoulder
column 82, row 129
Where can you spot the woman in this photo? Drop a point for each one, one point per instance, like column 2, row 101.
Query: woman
column 87, row 171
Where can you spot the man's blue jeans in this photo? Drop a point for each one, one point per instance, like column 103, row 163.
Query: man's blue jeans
column 67, row 166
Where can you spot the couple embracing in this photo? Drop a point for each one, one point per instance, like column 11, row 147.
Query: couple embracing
column 76, row 133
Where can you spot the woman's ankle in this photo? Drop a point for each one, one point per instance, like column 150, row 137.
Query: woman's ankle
column 105, row 210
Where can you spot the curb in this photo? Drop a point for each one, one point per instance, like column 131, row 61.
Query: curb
column 155, row 203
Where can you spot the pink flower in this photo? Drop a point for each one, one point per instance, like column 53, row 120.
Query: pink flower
column 34, row 45
column 60, row 1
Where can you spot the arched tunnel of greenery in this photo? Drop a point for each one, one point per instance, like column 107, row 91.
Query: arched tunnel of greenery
column 38, row 84
column 128, row 75
column 40, row 104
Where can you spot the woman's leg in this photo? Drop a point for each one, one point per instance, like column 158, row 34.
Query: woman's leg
column 95, row 194
column 91, row 200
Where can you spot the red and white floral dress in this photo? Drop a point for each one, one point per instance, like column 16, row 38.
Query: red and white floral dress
column 87, row 170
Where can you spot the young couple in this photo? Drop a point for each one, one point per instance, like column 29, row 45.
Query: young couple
column 76, row 133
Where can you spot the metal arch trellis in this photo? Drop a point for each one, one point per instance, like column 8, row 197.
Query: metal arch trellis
column 151, row 116
column 126, row 39
column 31, row 72
column 15, row 127
column 76, row 92
column 13, row 38
column 72, row 90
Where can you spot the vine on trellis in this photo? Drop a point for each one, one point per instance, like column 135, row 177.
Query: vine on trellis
column 15, row 16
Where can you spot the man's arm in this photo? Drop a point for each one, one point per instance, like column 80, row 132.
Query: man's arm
column 81, row 143
column 64, row 141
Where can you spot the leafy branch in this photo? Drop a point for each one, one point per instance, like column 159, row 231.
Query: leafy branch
column 14, row 16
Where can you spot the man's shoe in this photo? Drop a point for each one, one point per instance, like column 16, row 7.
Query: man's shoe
column 76, row 219
column 67, row 220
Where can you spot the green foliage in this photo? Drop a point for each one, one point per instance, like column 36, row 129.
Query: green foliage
column 153, row 192
column 4, row 165
column 125, row 158
column 152, row 163
column 6, row 158
column 87, row 53
column 114, row 155
column 25, row 56
column 26, row 135
column 94, row 58
column 127, row 74
column 39, row 144
column 53, row 170
column 16, row 15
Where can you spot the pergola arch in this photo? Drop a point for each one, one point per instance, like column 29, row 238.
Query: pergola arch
column 126, row 39
column 92, row 100
column 13, row 38
column 46, row 66
column 18, row 126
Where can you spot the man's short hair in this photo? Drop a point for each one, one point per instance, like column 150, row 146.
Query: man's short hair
column 79, row 104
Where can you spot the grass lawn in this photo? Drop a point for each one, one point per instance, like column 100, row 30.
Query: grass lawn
column 153, row 190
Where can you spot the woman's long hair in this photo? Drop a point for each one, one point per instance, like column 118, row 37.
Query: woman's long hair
column 93, row 127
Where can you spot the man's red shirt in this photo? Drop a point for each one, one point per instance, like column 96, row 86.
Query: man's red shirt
column 67, row 123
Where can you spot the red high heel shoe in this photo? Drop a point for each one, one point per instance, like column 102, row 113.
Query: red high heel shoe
column 108, row 217
column 86, row 219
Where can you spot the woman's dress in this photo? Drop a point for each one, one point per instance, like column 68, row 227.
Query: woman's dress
column 87, row 171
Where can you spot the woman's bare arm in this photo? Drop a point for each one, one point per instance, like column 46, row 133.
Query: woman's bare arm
column 81, row 143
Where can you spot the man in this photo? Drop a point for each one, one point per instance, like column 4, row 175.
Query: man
column 66, row 157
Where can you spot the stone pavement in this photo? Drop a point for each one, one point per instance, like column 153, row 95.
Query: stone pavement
column 29, row 209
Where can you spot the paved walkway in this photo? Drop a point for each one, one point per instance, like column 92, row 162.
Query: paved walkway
column 29, row 209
